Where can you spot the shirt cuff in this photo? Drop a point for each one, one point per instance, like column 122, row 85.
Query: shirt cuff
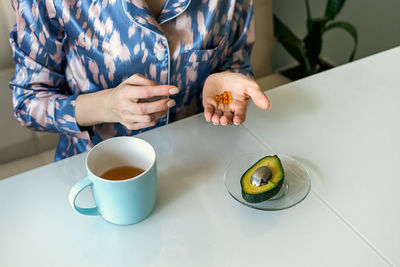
column 64, row 116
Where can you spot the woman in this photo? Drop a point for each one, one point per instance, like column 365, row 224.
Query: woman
column 92, row 70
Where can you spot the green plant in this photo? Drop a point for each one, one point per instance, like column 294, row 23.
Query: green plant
column 307, row 51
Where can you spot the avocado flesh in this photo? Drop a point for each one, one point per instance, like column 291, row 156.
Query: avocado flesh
column 254, row 194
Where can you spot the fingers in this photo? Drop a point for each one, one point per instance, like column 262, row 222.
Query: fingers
column 216, row 117
column 138, row 79
column 258, row 97
column 135, row 102
column 208, row 112
column 139, row 125
column 226, row 118
column 145, row 92
column 136, row 122
column 158, row 115
column 153, row 107
column 145, row 88
column 223, row 118
column 134, row 118
column 240, row 114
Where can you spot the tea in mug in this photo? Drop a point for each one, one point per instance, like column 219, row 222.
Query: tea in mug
column 122, row 173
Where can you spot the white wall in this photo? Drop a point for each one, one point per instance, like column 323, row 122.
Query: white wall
column 377, row 23
column 7, row 19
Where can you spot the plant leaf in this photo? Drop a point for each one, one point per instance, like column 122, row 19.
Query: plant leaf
column 310, row 22
column 348, row 28
column 333, row 8
column 308, row 10
column 313, row 44
column 292, row 44
column 313, row 41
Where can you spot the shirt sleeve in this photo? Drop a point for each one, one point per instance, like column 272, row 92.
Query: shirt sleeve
column 242, row 31
column 41, row 97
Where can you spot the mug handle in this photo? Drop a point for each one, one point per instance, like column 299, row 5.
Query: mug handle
column 74, row 192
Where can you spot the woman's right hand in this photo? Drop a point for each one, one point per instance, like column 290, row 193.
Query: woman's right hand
column 130, row 104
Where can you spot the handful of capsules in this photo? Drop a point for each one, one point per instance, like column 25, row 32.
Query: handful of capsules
column 224, row 98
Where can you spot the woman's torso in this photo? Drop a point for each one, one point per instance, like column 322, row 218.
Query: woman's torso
column 108, row 41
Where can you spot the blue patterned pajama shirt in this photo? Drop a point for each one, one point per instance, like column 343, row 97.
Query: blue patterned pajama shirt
column 64, row 48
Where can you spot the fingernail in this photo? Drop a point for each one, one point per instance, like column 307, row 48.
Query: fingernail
column 171, row 103
column 173, row 90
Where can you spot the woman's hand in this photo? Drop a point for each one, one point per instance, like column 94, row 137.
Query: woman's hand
column 242, row 88
column 134, row 103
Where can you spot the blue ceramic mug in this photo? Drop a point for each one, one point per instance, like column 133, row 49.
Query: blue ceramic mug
column 119, row 201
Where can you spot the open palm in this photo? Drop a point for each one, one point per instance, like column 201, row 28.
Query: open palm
column 242, row 88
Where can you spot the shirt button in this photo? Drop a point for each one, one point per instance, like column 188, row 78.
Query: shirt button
column 160, row 56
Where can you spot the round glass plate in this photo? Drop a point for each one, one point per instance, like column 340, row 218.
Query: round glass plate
column 295, row 188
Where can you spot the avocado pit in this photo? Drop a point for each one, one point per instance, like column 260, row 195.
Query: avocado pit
column 261, row 176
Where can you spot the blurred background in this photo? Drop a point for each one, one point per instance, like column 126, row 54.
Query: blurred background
column 377, row 24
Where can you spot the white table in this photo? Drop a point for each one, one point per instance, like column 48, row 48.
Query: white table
column 344, row 125
column 197, row 223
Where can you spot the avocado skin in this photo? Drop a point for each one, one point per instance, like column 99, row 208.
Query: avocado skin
column 260, row 197
column 257, row 198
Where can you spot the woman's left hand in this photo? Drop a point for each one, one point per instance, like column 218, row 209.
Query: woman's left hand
column 241, row 87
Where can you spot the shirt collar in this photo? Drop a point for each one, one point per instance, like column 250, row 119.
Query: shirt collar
column 141, row 14
column 172, row 9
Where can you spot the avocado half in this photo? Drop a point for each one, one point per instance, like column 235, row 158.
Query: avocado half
column 254, row 194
